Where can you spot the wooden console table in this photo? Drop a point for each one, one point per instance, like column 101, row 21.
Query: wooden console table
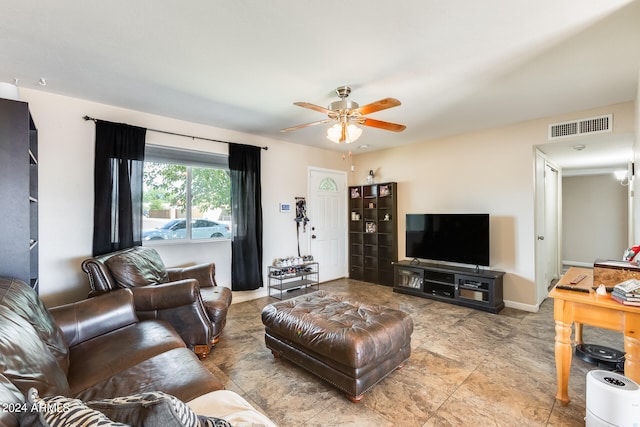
column 574, row 307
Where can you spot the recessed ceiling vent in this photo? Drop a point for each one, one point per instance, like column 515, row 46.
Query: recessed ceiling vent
column 601, row 124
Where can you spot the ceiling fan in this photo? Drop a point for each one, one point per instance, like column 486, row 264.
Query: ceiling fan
column 347, row 114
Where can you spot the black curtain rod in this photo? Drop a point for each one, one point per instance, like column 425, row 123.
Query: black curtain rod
column 180, row 134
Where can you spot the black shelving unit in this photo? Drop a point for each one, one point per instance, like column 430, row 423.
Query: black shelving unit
column 373, row 232
column 18, row 192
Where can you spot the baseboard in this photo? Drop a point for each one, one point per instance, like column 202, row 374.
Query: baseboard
column 566, row 264
column 242, row 296
column 520, row 306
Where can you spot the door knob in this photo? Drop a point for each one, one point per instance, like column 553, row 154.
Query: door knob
column 313, row 236
column 540, row 237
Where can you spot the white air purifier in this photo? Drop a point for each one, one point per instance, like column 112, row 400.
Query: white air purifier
column 612, row 400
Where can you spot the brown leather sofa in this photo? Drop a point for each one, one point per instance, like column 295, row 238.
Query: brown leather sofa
column 92, row 349
column 98, row 349
column 188, row 298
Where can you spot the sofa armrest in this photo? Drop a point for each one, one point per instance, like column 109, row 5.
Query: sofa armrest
column 205, row 274
column 100, row 278
column 179, row 304
column 166, row 295
column 86, row 319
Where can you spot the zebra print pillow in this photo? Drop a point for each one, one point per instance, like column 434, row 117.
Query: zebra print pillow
column 60, row 411
column 213, row 422
column 150, row 409
column 153, row 408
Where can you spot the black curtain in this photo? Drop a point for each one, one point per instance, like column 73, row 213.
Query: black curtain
column 119, row 165
column 246, row 216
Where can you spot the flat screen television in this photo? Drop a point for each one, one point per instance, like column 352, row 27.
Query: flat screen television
column 458, row 238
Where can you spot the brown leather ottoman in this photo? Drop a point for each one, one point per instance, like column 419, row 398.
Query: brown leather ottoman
column 349, row 344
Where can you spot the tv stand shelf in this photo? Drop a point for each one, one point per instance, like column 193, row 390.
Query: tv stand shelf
column 470, row 287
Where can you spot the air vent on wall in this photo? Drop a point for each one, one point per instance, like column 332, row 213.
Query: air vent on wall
column 601, row 124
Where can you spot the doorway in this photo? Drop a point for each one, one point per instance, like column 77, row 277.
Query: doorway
column 593, row 156
column 327, row 214
column 548, row 208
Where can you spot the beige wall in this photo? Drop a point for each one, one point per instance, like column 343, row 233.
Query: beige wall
column 66, row 153
column 490, row 171
column 594, row 212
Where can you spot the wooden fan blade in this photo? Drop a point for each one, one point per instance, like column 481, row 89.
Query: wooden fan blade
column 382, row 125
column 343, row 134
column 383, row 104
column 313, row 107
column 305, row 125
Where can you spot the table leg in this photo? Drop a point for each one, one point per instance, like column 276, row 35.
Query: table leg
column 577, row 333
column 632, row 348
column 563, row 359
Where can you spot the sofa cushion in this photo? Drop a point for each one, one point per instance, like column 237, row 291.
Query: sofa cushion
column 137, row 267
column 99, row 358
column 177, row 372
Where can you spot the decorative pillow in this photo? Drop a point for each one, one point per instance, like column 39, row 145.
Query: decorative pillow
column 137, row 267
column 213, row 422
column 150, row 409
column 60, row 411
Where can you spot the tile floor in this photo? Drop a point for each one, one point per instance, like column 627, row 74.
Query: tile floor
column 467, row 367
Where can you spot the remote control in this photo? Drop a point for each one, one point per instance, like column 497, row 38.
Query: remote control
column 578, row 279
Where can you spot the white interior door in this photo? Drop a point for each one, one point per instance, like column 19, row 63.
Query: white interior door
column 552, row 221
column 547, row 225
column 540, row 215
column 326, row 210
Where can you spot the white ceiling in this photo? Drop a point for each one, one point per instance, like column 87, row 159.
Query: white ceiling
column 456, row 65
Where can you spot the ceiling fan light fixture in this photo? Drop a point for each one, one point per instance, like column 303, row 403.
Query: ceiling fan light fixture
column 352, row 132
column 347, row 114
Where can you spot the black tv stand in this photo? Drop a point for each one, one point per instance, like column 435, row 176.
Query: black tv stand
column 470, row 287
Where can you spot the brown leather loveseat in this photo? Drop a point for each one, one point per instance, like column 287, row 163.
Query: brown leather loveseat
column 97, row 349
column 188, row 297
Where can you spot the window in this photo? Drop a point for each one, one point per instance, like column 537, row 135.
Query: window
column 186, row 195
